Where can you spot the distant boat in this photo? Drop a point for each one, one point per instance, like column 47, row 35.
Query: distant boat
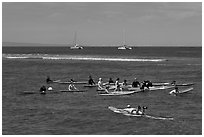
column 76, row 46
column 124, row 47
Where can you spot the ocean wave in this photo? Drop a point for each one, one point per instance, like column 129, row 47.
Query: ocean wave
column 81, row 57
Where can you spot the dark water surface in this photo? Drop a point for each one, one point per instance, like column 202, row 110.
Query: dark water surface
column 87, row 112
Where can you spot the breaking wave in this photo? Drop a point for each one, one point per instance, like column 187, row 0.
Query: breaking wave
column 80, row 57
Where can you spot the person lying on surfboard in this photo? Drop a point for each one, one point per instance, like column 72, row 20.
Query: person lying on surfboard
column 91, row 81
column 71, row 86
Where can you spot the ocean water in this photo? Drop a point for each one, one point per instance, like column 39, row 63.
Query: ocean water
column 87, row 113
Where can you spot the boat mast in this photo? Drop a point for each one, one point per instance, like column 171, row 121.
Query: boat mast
column 75, row 35
column 124, row 39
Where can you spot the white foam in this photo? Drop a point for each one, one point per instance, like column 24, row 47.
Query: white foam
column 104, row 59
column 81, row 57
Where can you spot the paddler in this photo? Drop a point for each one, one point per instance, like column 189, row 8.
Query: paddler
column 139, row 111
column 135, row 83
column 173, row 83
column 110, row 81
column 130, row 110
column 43, row 89
column 71, row 86
column 100, row 85
column 124, row 83
column 91, row 81
column 176, row 90
column 48, row 80
column 117, row 85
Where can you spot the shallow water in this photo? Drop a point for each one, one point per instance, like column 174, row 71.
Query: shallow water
column 87, row 112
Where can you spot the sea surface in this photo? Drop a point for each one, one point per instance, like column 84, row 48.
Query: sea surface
column 87, row 113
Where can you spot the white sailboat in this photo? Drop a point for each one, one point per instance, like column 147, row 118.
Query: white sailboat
column 124, row 46
column 76, row 46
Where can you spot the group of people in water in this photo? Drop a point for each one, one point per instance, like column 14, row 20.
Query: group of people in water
column 104, row 86
column 122, row 86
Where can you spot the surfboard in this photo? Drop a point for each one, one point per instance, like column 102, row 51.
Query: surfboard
column 181, row 91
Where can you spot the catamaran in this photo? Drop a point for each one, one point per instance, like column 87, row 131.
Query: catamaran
column 124, row 46
column 76, row 46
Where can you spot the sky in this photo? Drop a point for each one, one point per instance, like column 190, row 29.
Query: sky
column 103, row 23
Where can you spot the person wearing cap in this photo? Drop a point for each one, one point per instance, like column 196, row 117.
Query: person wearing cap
column 71, row 86
column 135, row 83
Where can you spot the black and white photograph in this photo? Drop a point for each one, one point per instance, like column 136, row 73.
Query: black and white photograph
column 101, row 68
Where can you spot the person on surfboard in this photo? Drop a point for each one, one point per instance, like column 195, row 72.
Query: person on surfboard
column 91, row 81
column 71, row 86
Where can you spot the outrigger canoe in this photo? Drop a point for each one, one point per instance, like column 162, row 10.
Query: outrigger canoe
column 66, row 90
column 117, row 93
column 69, row 82
column 91, row 86
column 124, row 112
column 152, row 88
column 38, row 92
